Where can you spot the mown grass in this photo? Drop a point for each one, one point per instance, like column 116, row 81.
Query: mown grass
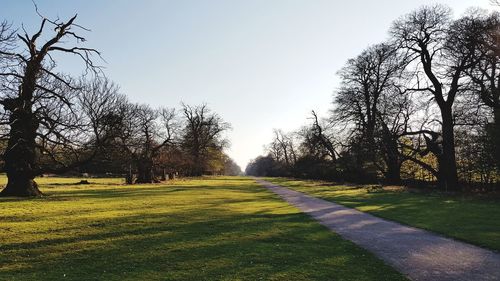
column 200, row 229
column 473, row 220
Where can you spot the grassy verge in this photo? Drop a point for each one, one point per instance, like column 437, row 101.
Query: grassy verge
column 211, row 229
column 474, row 220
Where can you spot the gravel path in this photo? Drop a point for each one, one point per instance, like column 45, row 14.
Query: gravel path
column 419, row 254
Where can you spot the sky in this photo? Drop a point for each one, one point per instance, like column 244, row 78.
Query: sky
column 260, row 64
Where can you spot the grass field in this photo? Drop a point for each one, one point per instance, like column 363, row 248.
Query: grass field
column 469, row 219
column 200, row 229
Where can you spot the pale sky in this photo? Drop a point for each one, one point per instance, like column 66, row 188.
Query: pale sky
column 260, row 64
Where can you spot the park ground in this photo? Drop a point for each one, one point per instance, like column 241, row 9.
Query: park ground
column 217, row 228
column 225, row 228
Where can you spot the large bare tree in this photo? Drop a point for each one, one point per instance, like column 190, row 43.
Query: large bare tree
column 145, row 131
column 39, row 102
column 428, row 37
column 369, row 97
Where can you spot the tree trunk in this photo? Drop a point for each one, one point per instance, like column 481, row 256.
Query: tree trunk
column 197, row 171
column 369, row 140
column 496, row 136
column 20, row 155
column 198, row 166
column 393, row 175
column 440, row 176
column 21, row 186
column 129, row 177
column 369, row 154
column 393, row 163
column 449, row 164
column 145, row 172
column 392, row 157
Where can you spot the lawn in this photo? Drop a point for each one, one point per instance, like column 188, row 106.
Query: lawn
column 198, row 229
column 473, row 220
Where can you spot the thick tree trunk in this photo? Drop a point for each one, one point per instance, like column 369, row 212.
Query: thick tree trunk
column 20, row 154
column 21, row 186
column 449, row 164
column 369, row 140
column 393, row 175
column 144, row 176
column 197, row 171
column 163, row 175
column 392, row 157
column 145, row 171
column 393, row 163
column 198, row 166
column 370, row 152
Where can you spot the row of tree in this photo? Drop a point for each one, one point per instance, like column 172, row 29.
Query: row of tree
column 424, row 105
column 157, row 144
column 53, row 122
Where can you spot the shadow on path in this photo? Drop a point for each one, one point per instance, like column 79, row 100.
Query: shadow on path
column 417, row 253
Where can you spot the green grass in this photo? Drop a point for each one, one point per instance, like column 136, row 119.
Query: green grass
column 200, row 229
column 473, row 220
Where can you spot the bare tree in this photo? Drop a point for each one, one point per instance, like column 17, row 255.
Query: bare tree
column 427, row 36
column 36, row 98
column 145, row 132
column 202, row 131
column 284, row 148
column 317, row 142
column 367, row 98
column 69, row 137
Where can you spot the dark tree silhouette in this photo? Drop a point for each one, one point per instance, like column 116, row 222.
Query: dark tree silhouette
column 367, row 98
column 417, row 108
column 38, row 101
column 264, row 166
column 427, row 36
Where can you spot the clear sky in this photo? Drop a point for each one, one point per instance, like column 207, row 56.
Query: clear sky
column 261, row 64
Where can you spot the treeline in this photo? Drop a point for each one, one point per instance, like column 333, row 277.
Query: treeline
column 424, row 106
column 54, row 122
column 153, row 144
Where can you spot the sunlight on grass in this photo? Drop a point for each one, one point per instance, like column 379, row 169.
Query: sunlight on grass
column 471, row 219
column 198, row 229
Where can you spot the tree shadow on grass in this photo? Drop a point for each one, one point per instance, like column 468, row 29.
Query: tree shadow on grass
column 237, row 232
column 473, row 221
column 216, row 245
